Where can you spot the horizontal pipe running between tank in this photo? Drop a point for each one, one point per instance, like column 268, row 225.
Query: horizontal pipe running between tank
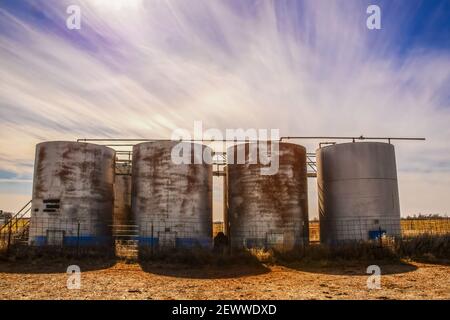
column 162, row 140
column 251, row 140
column 351, row 138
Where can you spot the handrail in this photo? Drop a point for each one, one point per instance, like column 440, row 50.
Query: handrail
column 24, row 229
column 16, row 217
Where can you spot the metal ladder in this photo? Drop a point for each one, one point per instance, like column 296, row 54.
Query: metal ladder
column 311, row 165
column 126, row 241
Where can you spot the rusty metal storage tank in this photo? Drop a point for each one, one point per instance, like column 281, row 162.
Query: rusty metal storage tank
column 172, row 201
column 358, row 191
column 72, row 201
column 267, row 211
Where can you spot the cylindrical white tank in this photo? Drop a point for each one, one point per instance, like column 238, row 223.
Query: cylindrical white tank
column 72, row 200
column 358, row 191
column 171, row 201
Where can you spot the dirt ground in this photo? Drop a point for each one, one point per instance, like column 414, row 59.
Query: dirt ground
column 412, row 280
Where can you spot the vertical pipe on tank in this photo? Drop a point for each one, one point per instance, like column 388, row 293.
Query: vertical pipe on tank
column 226, row 223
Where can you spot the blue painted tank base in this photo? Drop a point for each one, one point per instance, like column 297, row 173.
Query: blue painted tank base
column 83, row 241
column 179, row 242
column 262, row 243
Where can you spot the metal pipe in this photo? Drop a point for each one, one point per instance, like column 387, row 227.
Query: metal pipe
column 350, row 138
column 163, row 140
column 251, row 140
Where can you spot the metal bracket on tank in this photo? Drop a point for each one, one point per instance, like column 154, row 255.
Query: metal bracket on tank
column 326, row 143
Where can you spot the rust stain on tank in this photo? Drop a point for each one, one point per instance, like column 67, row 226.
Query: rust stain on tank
column 268, row 203
column 192, row 177
column 65, row 174
column 80, row 176
column 40, row 166
column 170, row 194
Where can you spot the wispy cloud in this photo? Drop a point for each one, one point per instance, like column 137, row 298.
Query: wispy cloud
column 143, row 68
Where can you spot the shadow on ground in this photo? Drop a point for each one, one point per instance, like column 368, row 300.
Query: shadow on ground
column 199, row 263
column 204, row 272
column 351, row 268
column 53, row 265
column 40, row 260
column 432, row 260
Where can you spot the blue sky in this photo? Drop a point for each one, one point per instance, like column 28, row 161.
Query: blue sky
column 144, row 68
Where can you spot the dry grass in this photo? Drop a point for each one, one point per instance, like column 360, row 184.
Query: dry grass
column 409, row 227
column 421, row 226
column 429, row 248
column 28, row 253
column 425, row 247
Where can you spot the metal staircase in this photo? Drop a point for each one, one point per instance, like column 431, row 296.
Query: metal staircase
column 16, row 230
column 126, row 241
column 311, row 165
